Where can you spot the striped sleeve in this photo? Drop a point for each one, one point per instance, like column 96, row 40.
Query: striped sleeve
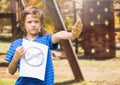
column 52, row 46
column 12, row 49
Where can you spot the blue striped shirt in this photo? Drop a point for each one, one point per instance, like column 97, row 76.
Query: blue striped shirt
column 49, row 74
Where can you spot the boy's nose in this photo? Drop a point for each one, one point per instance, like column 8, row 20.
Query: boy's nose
column 33, row 24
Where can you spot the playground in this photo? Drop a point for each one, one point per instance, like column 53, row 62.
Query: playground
column 91, row 59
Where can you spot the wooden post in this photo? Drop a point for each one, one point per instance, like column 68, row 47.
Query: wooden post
column 13, row 19
column 67, row 45
column 14, row 35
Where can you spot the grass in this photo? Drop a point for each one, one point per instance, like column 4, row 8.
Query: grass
column 103, row 65
column 4, row 46
column 11, row 82
column 4, row 81
column 64, row 76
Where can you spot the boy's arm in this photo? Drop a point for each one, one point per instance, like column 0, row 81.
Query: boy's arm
column 77, row 29
column 12, row 67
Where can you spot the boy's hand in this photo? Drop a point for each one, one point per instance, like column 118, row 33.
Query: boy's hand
column 19, row 52
column 77, row 28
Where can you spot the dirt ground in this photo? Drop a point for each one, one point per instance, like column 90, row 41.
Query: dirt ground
column 101, row 75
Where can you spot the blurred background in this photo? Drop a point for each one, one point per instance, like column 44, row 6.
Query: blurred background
column 97, row 48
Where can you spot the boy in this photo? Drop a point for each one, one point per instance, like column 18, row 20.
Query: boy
column 31, row 54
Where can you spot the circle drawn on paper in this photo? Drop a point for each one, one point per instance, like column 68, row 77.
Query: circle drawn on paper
column 34, row 56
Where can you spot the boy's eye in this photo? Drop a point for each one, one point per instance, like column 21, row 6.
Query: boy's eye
column 37, row 21
column 28, row 21
column 33, row 22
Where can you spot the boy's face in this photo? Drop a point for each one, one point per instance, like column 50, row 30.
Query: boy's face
column 32, row 24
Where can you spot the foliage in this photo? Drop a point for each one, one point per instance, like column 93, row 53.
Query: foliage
column 116, row 1
column 5, row 6
column 34, row 3
column 68, row 19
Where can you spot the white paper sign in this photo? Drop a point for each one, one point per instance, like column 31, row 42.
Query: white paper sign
column 33, row 63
